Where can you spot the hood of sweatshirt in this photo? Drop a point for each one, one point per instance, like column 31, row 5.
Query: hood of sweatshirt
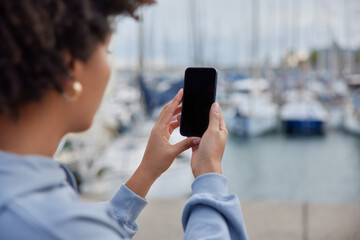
column 21, row 175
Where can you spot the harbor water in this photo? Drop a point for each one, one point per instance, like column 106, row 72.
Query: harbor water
column 276, row 167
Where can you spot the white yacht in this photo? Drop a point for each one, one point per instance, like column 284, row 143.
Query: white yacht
column 253, row 112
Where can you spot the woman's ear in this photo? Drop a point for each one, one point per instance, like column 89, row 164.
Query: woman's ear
column 75, row 66
column 68, row 60
column 72, row 85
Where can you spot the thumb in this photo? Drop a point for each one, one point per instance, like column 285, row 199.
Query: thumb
column 185, row 145
column 214, row 116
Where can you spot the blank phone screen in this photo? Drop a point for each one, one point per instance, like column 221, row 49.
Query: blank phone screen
column 199, row 95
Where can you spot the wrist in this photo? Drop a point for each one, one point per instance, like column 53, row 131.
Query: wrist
column 141, row 181
column 209, row 168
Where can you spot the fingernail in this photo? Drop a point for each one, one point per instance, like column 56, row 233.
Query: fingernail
column 196, row 141
column 216, row 107
column 174, row 118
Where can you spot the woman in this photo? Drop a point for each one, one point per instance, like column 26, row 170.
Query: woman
column 54, row 71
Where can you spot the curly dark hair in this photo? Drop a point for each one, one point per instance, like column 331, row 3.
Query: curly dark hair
column 34, row 35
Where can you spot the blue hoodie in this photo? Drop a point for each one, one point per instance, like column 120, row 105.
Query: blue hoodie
column 38, row 200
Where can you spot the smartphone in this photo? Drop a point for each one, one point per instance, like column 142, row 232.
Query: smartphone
column 199, row 95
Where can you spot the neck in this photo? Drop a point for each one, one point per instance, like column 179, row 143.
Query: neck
column 38, row 131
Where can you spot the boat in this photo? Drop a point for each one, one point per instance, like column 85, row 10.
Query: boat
column 119, row 110
column 329, row 92
column 254, row 117
column 303, row 115
column 122, row 157
column 351, row 120
column 253, row 114
column 155, row 98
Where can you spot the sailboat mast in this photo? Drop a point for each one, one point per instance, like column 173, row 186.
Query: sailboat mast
column 321, row 60
column 295, row 23
column 349, row 58
column 140, row 67
column 255, row 39
column 196, row 33
column 333, row 57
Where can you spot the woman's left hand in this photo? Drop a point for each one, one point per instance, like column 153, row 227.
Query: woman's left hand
column 159, row 153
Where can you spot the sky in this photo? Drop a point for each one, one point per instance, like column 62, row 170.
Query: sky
column 223, row 30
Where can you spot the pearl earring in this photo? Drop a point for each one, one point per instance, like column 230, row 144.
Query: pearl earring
column 77, row 92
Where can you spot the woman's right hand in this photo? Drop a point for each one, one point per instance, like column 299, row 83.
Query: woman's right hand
column 207, row 156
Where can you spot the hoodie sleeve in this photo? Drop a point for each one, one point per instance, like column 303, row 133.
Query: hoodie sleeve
column 125, row 207
column 211, row 213
column 115, row 219
column 63, row 216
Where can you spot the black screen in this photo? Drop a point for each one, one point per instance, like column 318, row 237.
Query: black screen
column 199, row 94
